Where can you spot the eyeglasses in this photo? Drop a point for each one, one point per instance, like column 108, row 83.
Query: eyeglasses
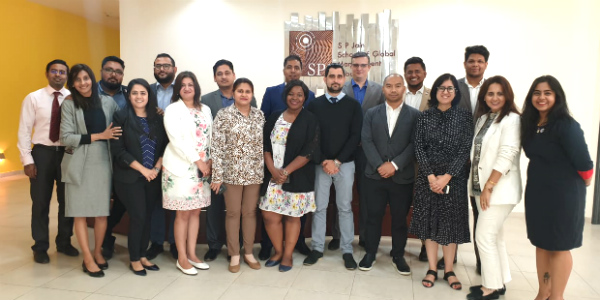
column 111, row 71
column 450, row 89
column 360, row 65
column 61, row 72
column 162, row 67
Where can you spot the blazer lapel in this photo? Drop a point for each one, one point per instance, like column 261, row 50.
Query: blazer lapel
column 403, row 113
column 368, row 94
column 383, row 116
column 349, row 88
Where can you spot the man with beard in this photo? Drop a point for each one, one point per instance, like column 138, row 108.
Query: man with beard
column 417, row 95
column 39, row 124
column 164, row 72
column 273, row 100
column 340, row 120
column 224, row 76
column 111, row 85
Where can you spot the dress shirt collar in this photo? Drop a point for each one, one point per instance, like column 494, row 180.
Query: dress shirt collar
column 50, row 90
column 390, row 109
column 474, row 87
column 419, row 91
column 338, row 97
column 354, row 84
column 160, row 87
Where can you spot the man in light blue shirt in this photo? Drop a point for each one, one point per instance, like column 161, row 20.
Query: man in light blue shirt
column 164, row 72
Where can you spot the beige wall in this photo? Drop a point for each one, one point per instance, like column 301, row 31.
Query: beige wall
column 526, row 39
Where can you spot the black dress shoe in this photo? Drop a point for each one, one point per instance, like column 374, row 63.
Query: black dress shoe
column 41, row 257
column 103, row 266
column 151, row 268
column 312, row 258
column 423, row 254
column 211, row 254
column 474, row 288
column 92, row 274
column 401, row 266
column 302, row 248
column 366, row 264
column 265, row 253
column 361, row 243
column 154, row 251
column 107, row 253
column 334, row 244
column 108, row 247
column 349, row 261
column 141, row 272
column 68, row 250
column 441, row 264
column 173, row 250
column 478, row 295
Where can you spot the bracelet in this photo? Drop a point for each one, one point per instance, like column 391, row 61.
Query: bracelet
column 491, row 182
column 285, row 172
column 157, row 170
column 337, row 163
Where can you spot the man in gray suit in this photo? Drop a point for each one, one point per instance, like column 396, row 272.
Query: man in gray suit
column 223, row 97
column 387, row 139
column 369, row 94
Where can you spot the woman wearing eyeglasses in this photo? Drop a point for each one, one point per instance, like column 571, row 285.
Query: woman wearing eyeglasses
column 443, row 139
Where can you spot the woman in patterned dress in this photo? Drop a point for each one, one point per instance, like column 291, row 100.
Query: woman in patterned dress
column 443, row 138
column 290, row 140
column 238, row 162
column 186, row 165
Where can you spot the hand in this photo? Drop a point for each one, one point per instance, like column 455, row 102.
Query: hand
column 149, row 174
column 112, row 132
column 329, row 167
column 484, row 199
column 433, row 184
column 587, row 181
column 30, row 171
column 386, row 170
column 160, row 111
column 203, row 167
column 215, row 187
column 281, row 178
column 209, row 164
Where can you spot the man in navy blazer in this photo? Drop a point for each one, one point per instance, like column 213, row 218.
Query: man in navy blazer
column 387, row 139
column 273, row 97
column 273, row 100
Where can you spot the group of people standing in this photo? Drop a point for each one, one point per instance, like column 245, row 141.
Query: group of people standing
column 164, row 147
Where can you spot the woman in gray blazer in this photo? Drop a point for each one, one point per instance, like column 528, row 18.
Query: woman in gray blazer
column 85, row 131
column 494, row 181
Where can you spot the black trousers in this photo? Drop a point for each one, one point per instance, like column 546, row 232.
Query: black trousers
column 116, row 214
column 379, row 193
column 215, row 224
column 139, row 198
column 47, row 161
column 475, row 217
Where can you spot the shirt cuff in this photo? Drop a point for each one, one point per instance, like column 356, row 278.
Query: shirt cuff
column 586, row 174
column 85, row 139
column 395, row 166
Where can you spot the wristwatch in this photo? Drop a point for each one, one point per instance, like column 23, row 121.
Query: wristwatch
column 337, row 163
column 157, row 170
column 285, row 172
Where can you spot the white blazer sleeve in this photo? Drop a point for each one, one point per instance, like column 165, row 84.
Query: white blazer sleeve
column 510, row 143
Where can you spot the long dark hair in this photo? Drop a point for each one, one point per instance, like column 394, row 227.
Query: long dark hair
column 177, row 88
column 531, row 116
column 151, row 115
column 433, row 101
column 509, row 98
column 79, row 100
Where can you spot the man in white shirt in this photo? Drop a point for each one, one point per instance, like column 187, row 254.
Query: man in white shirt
column 387, row 138
column 417, row 95
column 40, row 115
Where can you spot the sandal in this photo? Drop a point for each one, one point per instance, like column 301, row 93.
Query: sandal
column 454, row 284
column 424, row 281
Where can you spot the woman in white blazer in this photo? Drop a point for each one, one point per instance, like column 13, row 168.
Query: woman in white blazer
column 495, row 181
column 186, row 166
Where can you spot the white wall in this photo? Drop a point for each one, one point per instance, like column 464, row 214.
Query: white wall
column 526, row 39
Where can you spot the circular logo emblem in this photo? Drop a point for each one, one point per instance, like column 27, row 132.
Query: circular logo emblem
column 305, row 40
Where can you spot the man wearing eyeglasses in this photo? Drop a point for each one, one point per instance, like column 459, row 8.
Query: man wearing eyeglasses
column 369, row 94
column 164, row 73
column 39, row 125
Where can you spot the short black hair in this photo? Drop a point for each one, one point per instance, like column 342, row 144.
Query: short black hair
column 115, row 59
column 478, row 49
column 334, row 66
column 361, row 54
column 433, row 101
column 288, row 87
column 414, row 60
column 163, row 55
column 57, row 61
column 292, row 57
column 239, row 81
column 221, row 62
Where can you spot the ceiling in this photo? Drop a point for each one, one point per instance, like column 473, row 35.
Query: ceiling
column 105, row 12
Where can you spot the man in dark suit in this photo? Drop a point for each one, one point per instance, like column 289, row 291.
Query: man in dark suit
column 223, row 97
column 387, row 138
column 369, row 94
column 273, row 100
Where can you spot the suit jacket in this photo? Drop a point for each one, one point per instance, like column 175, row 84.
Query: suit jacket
column 128, row 147
column 373, row 95
column 213, row 100
column 425, row 99
column 181, row 152
column 72, row 127
column 379, row 147
column 465, row 96
column 273, row 100
column 500, row 151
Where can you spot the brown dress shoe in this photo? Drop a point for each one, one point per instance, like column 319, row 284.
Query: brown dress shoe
column 234, row 269
column 252, row 265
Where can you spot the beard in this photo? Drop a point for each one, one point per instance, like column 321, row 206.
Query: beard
column 111, row 86
column 167, row 79
column 330, row 89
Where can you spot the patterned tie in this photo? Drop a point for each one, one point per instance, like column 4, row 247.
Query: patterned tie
column 55, row 119
column 333, row 100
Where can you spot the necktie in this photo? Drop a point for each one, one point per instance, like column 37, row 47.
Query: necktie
column 333, row 100
column 55, row 118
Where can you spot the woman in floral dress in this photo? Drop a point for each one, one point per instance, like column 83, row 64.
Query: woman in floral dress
column 290, row 140
column 186, row 165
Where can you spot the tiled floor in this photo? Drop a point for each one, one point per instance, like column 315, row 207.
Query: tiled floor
column 21, row 278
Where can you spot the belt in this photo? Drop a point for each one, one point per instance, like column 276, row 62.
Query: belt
column 53, row 148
